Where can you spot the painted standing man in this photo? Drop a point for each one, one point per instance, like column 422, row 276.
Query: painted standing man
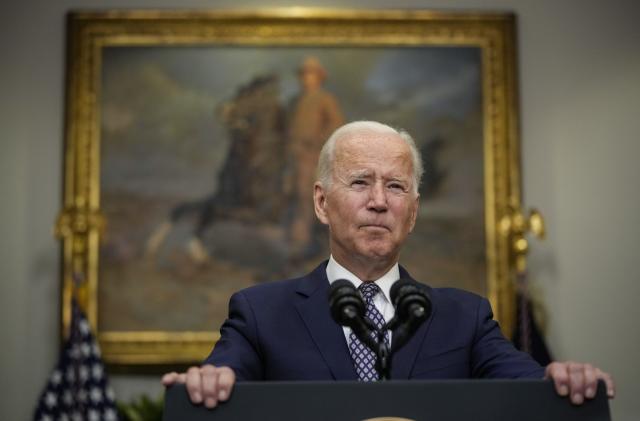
column 314, row 115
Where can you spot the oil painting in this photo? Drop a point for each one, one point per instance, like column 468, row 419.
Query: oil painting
column 208, row 160
column 192, row 140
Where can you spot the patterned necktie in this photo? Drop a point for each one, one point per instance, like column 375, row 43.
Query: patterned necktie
column 364, row 359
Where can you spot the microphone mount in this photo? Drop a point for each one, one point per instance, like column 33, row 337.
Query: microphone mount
column 413, row 306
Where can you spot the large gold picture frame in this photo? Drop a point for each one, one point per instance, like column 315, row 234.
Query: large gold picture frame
column 84, row 224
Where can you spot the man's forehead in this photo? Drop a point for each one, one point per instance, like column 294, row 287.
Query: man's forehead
column 365, row 137
column 386, row 163
column 356, row 172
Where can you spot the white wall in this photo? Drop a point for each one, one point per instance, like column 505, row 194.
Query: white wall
column 580, row 96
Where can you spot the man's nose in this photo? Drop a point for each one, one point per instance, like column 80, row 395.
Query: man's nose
column 377, row 198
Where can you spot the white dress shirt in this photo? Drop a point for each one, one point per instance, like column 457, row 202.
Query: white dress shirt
column 381, row 300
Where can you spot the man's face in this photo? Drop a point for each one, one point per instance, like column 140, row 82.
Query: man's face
column 310, row 79
column 370, row 206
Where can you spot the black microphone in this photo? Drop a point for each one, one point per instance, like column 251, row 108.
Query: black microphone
column 413, row 306
column 411, row 300
column 345, row 302
column 348, row 309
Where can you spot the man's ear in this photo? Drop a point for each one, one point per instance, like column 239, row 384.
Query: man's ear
column 320, row 202
column 414, row 212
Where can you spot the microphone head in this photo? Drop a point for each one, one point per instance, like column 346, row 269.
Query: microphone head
column 400, row 285
column 346, row 303
column 411, row 300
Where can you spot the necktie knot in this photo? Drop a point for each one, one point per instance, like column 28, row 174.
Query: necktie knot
column 368, row 290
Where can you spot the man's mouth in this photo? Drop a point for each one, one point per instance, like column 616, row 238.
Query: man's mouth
column 375, row 227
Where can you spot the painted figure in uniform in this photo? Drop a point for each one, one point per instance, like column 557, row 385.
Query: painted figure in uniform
column 314, row 115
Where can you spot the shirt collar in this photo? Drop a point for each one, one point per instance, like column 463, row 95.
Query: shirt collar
column 336, row 271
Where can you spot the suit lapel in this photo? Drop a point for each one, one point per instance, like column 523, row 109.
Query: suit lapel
column 313, row 307
column 404, row 359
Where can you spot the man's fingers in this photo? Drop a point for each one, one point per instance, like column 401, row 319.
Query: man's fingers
column 194, row 385
column 173, row 377
column 209, row 376
column 576, row 383
column 226, row 380
column 560, row 376
column 611, row 387
column 608, row 380
column 578, row 380
column 590, row 381
column 207, row 384
column 169, row 378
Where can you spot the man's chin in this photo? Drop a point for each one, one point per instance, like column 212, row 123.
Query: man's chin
column 377, row 252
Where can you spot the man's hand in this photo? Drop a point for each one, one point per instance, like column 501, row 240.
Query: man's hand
column 207, row 384
column 578, row 380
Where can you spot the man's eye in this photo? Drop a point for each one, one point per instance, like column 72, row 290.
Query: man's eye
column 396, row 186
column 358, row 183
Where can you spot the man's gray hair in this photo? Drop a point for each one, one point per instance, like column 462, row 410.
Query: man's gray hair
column 327, row 154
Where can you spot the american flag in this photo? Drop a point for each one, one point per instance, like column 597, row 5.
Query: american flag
column 78, row 389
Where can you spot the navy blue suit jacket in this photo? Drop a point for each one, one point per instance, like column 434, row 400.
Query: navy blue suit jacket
column 284, row 331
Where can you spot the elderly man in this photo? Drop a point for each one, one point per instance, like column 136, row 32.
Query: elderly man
column 367, row 193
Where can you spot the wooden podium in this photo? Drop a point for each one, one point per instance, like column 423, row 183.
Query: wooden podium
column 450, row 400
